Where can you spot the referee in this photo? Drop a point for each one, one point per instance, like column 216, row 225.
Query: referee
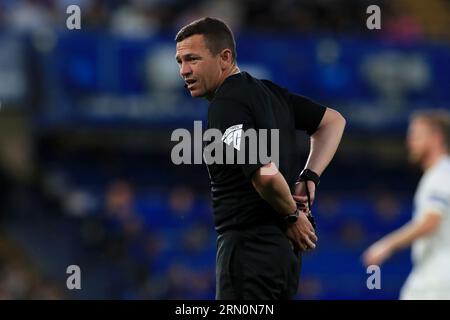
column 263, row 220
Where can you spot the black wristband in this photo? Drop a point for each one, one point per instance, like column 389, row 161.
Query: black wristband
column 309, row 175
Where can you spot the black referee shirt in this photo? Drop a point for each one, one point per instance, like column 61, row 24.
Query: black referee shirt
column 243, row 102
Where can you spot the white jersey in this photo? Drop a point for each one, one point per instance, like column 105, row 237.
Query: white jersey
column 430, row 277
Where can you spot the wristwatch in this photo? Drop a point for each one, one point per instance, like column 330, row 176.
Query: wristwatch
column 292, row 218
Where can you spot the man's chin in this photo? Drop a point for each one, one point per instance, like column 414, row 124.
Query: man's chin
column 196, row 94
column 414, row 159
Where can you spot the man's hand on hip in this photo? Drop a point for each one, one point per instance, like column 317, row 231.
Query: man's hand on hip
column 302, row 234
column 300, row 194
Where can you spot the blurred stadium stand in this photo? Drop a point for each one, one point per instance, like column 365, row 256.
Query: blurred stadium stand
column 85, row 123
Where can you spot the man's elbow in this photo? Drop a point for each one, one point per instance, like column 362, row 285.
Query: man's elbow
column 333, row 119
column 338, row 119
column 342, row 121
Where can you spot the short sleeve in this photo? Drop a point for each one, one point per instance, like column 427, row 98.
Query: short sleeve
column 437, row 199
column 307, row 113
column 235, row 121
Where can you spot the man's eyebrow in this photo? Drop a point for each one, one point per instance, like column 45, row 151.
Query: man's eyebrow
column 186, row 56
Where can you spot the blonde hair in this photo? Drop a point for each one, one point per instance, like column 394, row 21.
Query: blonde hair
column 438, row 119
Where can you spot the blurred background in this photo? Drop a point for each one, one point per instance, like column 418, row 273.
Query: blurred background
column 86, row 117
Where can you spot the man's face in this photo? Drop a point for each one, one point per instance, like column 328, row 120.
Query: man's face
column 419, row 140
column 199, row 69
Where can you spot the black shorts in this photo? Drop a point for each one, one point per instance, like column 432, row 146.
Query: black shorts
column 256, row 263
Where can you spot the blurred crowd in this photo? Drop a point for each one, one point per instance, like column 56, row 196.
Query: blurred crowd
column 137, row 239
column 140, row 18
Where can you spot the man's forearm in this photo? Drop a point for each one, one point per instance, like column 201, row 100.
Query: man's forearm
column 325, row 141
column 412, row 231
column 402, row 237
column 275, row 190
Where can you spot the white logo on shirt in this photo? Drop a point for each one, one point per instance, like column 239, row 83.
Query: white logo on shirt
column 232, row 136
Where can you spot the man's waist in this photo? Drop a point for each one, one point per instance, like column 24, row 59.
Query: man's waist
column 254, row 225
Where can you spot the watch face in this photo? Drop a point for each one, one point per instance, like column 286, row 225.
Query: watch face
column 292, row 218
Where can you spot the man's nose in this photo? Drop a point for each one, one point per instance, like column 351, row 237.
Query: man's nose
column 185, row 70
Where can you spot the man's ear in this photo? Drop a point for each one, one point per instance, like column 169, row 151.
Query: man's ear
column 226, row 58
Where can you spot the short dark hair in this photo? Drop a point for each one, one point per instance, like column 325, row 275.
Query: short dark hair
column 218, row 35
column 438, row 119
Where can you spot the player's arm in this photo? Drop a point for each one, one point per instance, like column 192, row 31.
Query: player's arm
column 324, row 143
column 274, row 189
column 402, row 238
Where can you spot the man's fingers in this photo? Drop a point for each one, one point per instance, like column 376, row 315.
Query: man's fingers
column 304, row 237
column 305, row 244
column 306, row 240
column 308, row 243
column 300, row 198
column 297, row 241
column 302, row 246
column 366, row 260
column 308, row 224
column 313, row 237
column 369, row 259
